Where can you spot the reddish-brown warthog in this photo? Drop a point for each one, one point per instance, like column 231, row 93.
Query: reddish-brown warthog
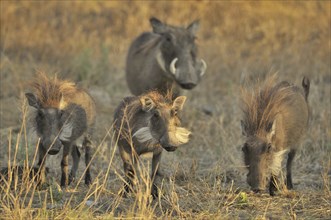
column 164, row 59
column 64, row 116
column 275, row 118
column 148, row 123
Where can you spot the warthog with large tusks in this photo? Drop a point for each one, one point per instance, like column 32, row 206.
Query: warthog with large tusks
column 148, row 123
column 63, row 114
column 275, row 118
column 165, row 59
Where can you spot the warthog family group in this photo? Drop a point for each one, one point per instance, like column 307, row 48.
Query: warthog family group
column 159, row 64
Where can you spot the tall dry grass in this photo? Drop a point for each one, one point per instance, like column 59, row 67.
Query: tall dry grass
column 87, row 42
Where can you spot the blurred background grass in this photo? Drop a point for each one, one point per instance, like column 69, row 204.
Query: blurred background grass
column 87, row 41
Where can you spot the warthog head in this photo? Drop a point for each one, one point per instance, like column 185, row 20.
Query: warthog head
column 163, row 123
column 260, row 156
column 50, row 125
column 178, row 53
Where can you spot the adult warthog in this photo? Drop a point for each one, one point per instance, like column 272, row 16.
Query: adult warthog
column 63, row 114
column 148, row 123
column 275, row 118
column 165, row 59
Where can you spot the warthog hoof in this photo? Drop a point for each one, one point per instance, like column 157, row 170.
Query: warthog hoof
column 155, row 192
column 71, row 179
column 88, row 179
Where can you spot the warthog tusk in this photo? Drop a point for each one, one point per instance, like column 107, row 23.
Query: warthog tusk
column 172, row 66
column 204, row 67
column 160, row 60
column 179, row 136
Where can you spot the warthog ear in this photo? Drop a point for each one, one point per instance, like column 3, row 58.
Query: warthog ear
column 147, row 103
column 33, row 100
column 193, row 27
column 179, row 103
column 157, row 25
column 243, row 128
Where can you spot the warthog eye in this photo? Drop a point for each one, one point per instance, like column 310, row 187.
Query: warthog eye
column 167, row 37
column 41, row 114
column 267, row 148
column 156, row 114
column 245, row 148
column 61, row 113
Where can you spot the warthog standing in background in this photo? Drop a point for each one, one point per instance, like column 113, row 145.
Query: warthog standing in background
column 64, row 113
column 275, row 117
column 165, row 59
column 148, row 123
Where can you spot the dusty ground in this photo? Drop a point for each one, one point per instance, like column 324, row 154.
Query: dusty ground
column 205, row 179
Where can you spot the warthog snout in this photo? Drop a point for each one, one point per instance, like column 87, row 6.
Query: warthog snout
column 170, row 148
column 53, row 146
column 256, row 183
column 186, row 73
column 53, row 151
column 165, row 144
column 188, row 85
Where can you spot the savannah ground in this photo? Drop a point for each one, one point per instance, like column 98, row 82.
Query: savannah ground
column 205, row 179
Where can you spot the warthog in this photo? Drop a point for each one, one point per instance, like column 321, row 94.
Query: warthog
column 64, row 113
column 148, row 123
column 165, row 59
column 275, row 118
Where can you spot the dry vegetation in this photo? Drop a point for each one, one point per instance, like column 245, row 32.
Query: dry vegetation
column 205, row 179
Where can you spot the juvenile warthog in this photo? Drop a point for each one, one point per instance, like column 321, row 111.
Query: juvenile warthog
column 275, row 117
column 63, row 113
column 165, row 59
column 148, row 123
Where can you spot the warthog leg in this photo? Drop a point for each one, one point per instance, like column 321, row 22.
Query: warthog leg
column 87, row 144
column 41, row 164
column 155, row 167
column 290, row 158
column 64, row 165
column 76, row 157
column 129, row 173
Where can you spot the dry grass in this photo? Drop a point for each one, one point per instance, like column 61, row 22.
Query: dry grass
column 205, row 179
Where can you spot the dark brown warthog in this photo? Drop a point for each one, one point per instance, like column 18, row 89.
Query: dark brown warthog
column 165, row 59
column 148, row 123
column 63, row 114
column 275, row 118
